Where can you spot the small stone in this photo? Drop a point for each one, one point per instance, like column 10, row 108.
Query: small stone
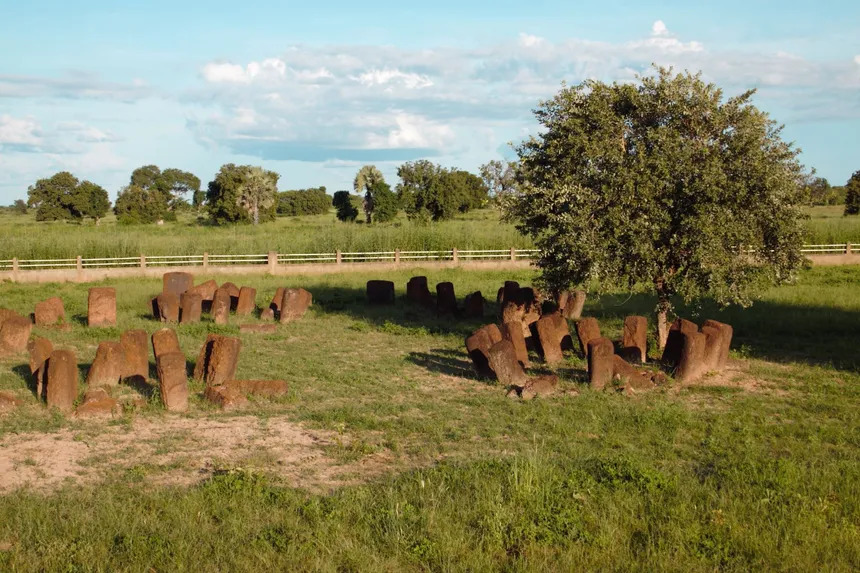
column 473, row 305
column 168, row 307
column 539, row 386
column 164, row 341
column 233, row 291
column 101, row 307
column 40, row 351
column 266, row 314
column 107, row 367
column 600, row 352
column 446, row 300
column 295, row 304
column 627, row 375
column 247, row 301
column 49, row 312
column 587, row 329
column 221, row 306
column 98, row 403
column 14, row 334
column 226, row 397
column 635, row 337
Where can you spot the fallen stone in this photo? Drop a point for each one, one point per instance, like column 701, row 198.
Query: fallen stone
column 190, row 308
column 164, row 341
column 295, row 304
column 691, row 366
column 380, row 292
column 478, row 346
column 177, row 283
column 173, row 381
column 168, row 307
column 267, row 314
column 675, row 342
column 635, row 337
column 600, row 352
column 101, row 307
column 40, row 351
column 49, row 312
column 446, row 300
column 513, row 332
column 503, row 361
column 14, row 334
column 418, row 291
column 587, row 329
column 62, row 380
column 135, row 347
column 107, row 367
column 627, row 375
column 205, row 290
column 226, row 397
column 258, row 328
column 221, row 306
column 539, row 386
column 247, row 301
column 725, row 343
column 98, row 404
column 473, row 305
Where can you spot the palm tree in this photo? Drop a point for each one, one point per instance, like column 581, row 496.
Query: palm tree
column 257, row 192
column 365, row 179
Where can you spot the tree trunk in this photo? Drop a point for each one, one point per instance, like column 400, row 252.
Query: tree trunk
column 256, row 213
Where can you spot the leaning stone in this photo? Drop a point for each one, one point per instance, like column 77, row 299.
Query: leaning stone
column 168, row 307
column 101, row 307
column 713, row 347
column 205, row 290
column 275, row 305
column 231, row 289
column 675, row 342
column 495, row 333
column 258, row 328
column 107, row 367
column 726, row 342
column 173, row 381
column 223, row 360
column 380, row 292
column 226, row 397
column 600, row 352
column 247, row 301
column 295, row 304
column 635, row 336
column 446, row 300
column 417, row 291
column 478, row 347
column 14, row 334
column 571, row 304
column 587, row 329
column 98, row 403
column 203, row 358
column 550, row 335
column 503, row 361
column 190, row 308
column 221, row 306
column 164, row 341
column 539, row 386
column 473, row 305
column 513, row 332
column 177, row 283
column 62, row 380
column 49, row 312
column 135, row 347
column 40, row 351
column 692, row 363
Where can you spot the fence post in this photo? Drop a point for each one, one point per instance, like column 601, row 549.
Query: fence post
column 205, row 261
column 143, row 261
column 848, row 248
column 79, row 264
column 455, row 255
column 273, row 262
column 513, row 254
column 338, row 256
column 14, row 269
column 397, row 256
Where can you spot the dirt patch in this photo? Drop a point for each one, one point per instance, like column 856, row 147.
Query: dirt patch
column 735, row 377
column 182, row 451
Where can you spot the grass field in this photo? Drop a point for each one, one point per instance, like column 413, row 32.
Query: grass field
column 389, row 455
column 22, row 237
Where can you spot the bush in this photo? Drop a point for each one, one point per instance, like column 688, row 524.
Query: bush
column 312, row 201
column 347, row 205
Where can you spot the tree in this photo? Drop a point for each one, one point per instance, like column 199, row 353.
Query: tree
column 366, row 178
column 661, row 184
column 134, row 204
column 852, row 195
column 499, row 177
column 346, row 205
column 314, row 201
column 63, row 197
column 242, row 193
column 429, row 191
column 19, row 207
column 172, row 184
column 384, row 201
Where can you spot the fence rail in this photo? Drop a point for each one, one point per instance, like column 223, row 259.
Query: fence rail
column 274, row 259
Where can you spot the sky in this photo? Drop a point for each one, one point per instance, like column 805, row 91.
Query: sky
column 314, row 90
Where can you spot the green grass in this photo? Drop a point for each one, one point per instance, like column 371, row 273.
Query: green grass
column 719, row 476
column 24, row 238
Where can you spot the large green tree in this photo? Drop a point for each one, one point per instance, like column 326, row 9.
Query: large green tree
column 852, row 194
column 171, row 184
column 313, row 201
column 242, row 194
column 63, row 197
column 384, row 201
column 134, row 204
column 346, row 205
column 366, row 179
column 661, row 183
column 429, row 191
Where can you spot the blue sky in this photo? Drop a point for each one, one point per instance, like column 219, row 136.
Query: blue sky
column 315, row 90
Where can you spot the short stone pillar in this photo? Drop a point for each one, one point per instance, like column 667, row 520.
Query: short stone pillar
column 143, row 261
column 396, row 256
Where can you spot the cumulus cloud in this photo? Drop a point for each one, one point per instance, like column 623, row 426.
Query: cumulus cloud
column 659, row 29
column 26, row 135
column 19, row 132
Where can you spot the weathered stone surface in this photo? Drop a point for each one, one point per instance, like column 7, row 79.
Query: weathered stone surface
column 107, row 367
column 223, row 360
column 190, row 308
column 101, row 307
column 98, row 404
column 635, row 337
column 446, row 300
column 14, row 334
column 259, row 328
column 295, row 304
column 164, row 341
column 135, row 347
column 473, row 305
column 494, row 331
column 503, row 361
column 675, row 341
column 40, row 351
column 522, row 308
column 691, row 366
column 247, row 301
column 221, row 306
column 600, row 352
column 5, row 314
column 513, row 331
column 551, row 332
column 587, row 329
column 628, row 376
column 418, row 291
column 173, row 381
column 380, row 292
column 205, row 290
column 267, row 314
column 225, row 396
column 203, row 358
column 713, row 347
column 478, row 346
column 231, row 289
column 62, row 380
column 49, row 312
column 8, row 401
column 177, row 283
column 275, row 305
column 168, row 307
column 571, row 303
column 545, row 385
column 725, row 343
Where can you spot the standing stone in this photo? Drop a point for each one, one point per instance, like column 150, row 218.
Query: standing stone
column 233, row 291
column 135, row 347
column 101, row 307
column 513, row 332
column 267, row 314
column 418, row 292
column 550, row 335
column 295, row 304
column 571, row 304
column 177, row 283
column 205, row 290
column 62, row 380
column 713, row 347
column 168, row 307
column 223, row 360
column 107, row 367
column 275, row 305
column 726, row 341
column 692, row 363
column 221, row 306
column 49, row 312
column 635, row 337
column 173, row 381
column 587, row 329
column 503, row 361
column 164, row 341
column 14, row 334
column 190, row 308
column 40, row 351
column 473, row 306
column 509, row 292
column 380, row 292
column 446, row 300
column 203, row 358
column 478, row 346
column 247, row 301
column 600, row 352
column 675, row 341
column 494, row 332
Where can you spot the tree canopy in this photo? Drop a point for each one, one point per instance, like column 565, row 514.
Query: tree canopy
column 63, row 197
column 314, row 201
column 852, row 194
column 134, row 205
column 347, row 205
column 499, row 177
column 662, row 183
column 367, row 178
column 429, row 191
column 242, row 194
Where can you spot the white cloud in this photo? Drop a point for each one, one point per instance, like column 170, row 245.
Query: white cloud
column 530, row 41
column 19, row 131
column 389, row 76
column 412, row 131
column 857, row 59
column 659, row 29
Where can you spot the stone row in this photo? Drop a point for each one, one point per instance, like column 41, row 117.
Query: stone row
column 418, row 292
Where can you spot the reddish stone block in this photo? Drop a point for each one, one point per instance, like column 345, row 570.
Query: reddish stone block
column 221, row 306
column 49, row 312
column 101, row 307
column 601, row 367
column 550, row 335
column 571, row 304
column 98, row 404
column 418, row 291
column 14, row 334
column 173, row 381
column 295, row 304
column 446, row 300
column 62, row 380
column 503, row 361
column 205, row 290
column 107, row 367
column 691, row 366
column 628, row 376
column 203, row 358
column 675, row 341
column 380, row 292
column 545, row 385
column 473, row 305
column 164, row 341
column 258, row 328
column 587, row 329
column 223, row 360
column 275, row 305
column 40, row 351
column 177, row 283
column 713, row 347
column 478, row 347
column 191, row 308
column 247, row 301
column 725, row 343
column 135, row 347
column 635, row 337
column 513, row 332
column 168, row 307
